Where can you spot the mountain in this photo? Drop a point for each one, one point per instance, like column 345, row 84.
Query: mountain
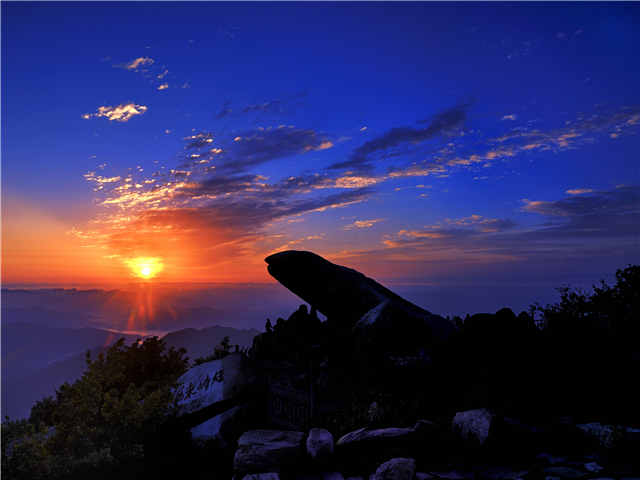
column 30, row 346
column 144, row 310
column 48, row 317
column 200, row 343
column 19, row 394
column 37, row 359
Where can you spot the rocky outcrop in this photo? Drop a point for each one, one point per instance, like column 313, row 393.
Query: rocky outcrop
column 382, row 321
column 269, row 451
column 340, row 292
column 213, row 388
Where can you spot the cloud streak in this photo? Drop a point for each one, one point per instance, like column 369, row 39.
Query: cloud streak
column 134, row 64
column 119, row 113
column 394, row 142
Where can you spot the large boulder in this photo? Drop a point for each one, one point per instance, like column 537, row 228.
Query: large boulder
column 483, row 431
column 320, row 444
column 215, row 387
column 473, row 426
column 610, row 437
column 396, row 469
column 345, row 295
column 372, row 446
column 269, row 451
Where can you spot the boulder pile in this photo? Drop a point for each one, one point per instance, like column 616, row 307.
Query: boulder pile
column 470, row 448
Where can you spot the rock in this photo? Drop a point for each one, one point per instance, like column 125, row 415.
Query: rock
column 333, row 476
column 609, row 437
column 215, row 387
column 396, row 469
column 373, row 446
column 503, row 472
column 262, row 476
column 222, row 430
column 452, row 474
column 340, row 293
column 423, row 476
column 483, row 431
column 269, row 451
column 593, row 467
column 473, row 426
column 388, row 329
column 564, row 472
column 320, row 444
column 426, row 428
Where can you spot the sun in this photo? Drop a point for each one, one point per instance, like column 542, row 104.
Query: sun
column 145, row 267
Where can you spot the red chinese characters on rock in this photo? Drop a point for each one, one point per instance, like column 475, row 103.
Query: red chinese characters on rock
column 204, row 384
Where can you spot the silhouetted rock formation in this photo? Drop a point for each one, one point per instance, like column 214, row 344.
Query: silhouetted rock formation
column 339, row 292
column 382, row 323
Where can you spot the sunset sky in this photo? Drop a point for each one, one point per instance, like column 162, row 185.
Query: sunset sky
column 412, row 141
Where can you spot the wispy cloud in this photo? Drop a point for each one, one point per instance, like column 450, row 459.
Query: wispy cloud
column 284, row 104
column 588, row 225
column 219, row 202
column 240, row 150
column 445, row 123
column 363, row 223
column 134, row 64
column 120, row 113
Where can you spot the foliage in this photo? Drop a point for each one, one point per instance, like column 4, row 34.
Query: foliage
column 606, row 314
column 111, row 419
column 219, row 351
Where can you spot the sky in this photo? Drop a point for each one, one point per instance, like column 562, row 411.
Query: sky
column 416, row 142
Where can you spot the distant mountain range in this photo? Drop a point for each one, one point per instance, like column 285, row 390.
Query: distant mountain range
column 145, row 310
column 37, row 359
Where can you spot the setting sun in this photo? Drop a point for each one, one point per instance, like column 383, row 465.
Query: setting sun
column 145, row 267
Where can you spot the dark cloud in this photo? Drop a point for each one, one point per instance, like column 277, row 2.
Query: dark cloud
column 284, row 104
column 586, row 226
column 611, row 213
column 237, row 151
column 442, row 124
column 200, row 140
column 613, row 122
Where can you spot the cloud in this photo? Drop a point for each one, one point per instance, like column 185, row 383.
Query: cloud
column 163, row 86
column 120, row 113
column 240, row 150
column 619, row 121
column 579, row 191
column 443, row 124
column 595, row 225
column 509, row 117
column 623, row 200
column 583, row 130
column 284, row 104
column 211, row 205
column 363, row 223
column 134, row 64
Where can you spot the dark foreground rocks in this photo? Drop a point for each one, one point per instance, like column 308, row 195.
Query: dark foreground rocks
column 429, row 452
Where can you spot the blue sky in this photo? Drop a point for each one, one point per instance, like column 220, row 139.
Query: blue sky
column 412, row 141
